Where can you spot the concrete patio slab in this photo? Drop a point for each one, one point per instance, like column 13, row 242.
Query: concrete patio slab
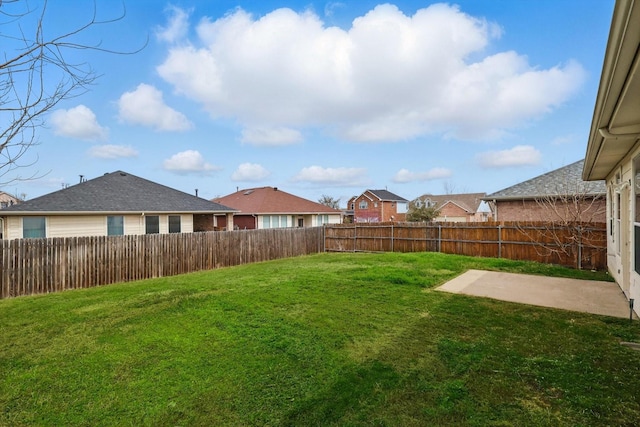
column 589, row 296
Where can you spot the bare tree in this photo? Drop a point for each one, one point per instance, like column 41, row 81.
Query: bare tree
column 35, row 74
column 568, row 212
column 329, row 201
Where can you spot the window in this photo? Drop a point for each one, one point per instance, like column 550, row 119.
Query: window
column 418, row 203
column 34, row 227
column 266, row 221
column 363, row 204
column 283, row 221
column 115, row 225
column 152, row 224
column 323, row 219
column 616, row 222
column 636, row 213
column 174, row 223
column 353, row 206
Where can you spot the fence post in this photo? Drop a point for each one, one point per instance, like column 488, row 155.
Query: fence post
column 439, row 238
column 355, row 237
column 391, row 237
column 579, row 247
column 324, row 238
column 499, row 240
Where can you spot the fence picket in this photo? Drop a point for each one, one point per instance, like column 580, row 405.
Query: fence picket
column 31, row 266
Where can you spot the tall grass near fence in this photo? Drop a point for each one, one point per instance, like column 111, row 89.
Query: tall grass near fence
column 567, row 245
column 36, row 266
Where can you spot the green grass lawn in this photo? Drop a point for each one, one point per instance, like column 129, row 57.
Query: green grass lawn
column 329, row 339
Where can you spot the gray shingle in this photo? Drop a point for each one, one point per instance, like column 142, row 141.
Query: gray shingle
column 564, row 181
column 387, row 196
column 118, row 192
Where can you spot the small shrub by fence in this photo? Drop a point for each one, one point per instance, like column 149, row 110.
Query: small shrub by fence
column 36, row 266
column 583, row 247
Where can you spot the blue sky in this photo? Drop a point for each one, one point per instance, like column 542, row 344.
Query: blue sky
column 325, row 97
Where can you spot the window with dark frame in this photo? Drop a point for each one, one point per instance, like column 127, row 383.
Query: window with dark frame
column 152, row 224
column 174, row 223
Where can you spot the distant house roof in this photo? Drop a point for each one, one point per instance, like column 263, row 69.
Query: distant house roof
column 469, row 202
column 7, row 200
column 386, row 196
column 271, row 200
column 117, row 192
column 564, row 181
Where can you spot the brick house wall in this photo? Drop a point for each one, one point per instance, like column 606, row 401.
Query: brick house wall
column 376, row 211
column 203, row 222
column 530, row 210
column 452, row 212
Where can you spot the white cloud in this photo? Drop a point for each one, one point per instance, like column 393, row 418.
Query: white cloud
column 250, row 172
column 78, row 122
column 388, row 77
column 145, row 106
column 187, row 162
column 520, row 155
column 177, row 25
column 112, row 151
column 404, row 175
column 564, row 140
column 331, row 7
column 332, row 176
column 264, row 136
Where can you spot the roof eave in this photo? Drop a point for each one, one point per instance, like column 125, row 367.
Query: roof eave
column 77, row 213
column 607, row 146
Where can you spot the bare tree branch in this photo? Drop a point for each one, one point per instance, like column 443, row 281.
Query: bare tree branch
column 35, row 75
column 567, row 212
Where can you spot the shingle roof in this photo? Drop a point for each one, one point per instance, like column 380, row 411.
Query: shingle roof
column 118, row 192
column 470, row 202
column 273, row 201
column 387, row 196
column 564, row 181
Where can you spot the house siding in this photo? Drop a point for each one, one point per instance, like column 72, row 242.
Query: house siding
column 453, row 213
column 621, row 241
column 376, row 211
column 530, row 210
column 93, row 225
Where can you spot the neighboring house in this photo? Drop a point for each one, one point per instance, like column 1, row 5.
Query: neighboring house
column 7, row 200
column 613, row 149
column 269, row 207
column 116, row 203
column 466, row 207
column 559, row 195
column 377, row 206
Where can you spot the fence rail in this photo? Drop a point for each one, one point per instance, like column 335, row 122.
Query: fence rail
column 36, row 266
column 576, row 245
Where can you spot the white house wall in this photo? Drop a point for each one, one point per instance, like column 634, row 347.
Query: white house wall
column 308, row 220
column 621, row 253
column 93, row 225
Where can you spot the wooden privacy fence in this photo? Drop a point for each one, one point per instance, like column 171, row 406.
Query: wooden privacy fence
column 36, row 266
column 575, row 245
